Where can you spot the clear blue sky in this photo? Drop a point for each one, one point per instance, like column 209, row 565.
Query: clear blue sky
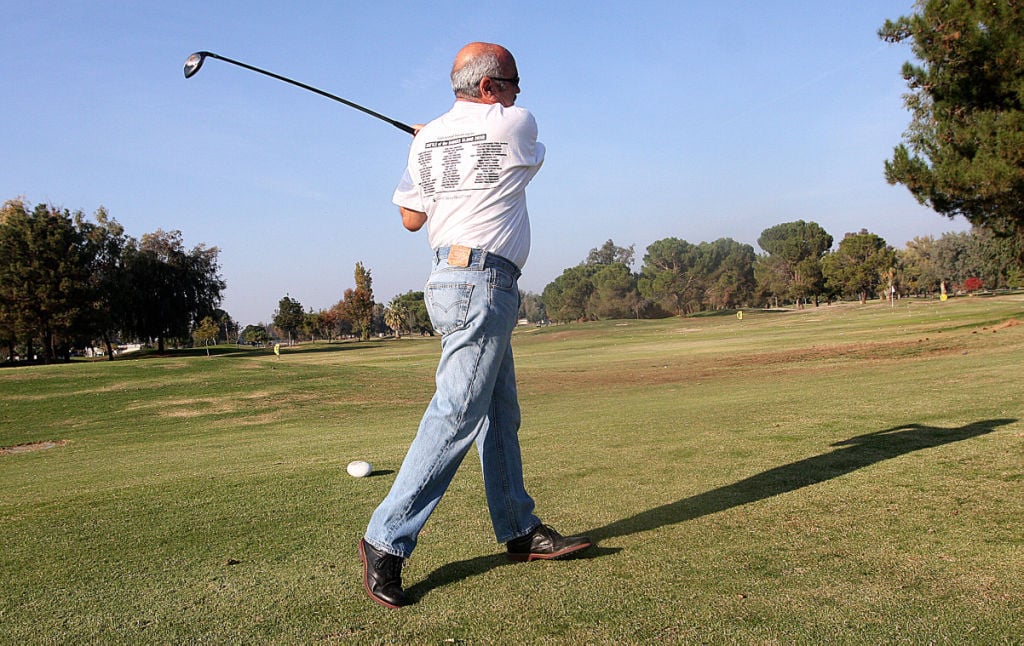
column 684, row 118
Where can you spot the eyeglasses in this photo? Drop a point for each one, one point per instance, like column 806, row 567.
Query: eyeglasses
column 514, row 80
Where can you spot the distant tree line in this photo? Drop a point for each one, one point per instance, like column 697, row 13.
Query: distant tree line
column 798, row 267
column 356, row 315
column 68, row 282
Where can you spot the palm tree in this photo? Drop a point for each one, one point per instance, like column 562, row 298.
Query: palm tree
column 395, row 316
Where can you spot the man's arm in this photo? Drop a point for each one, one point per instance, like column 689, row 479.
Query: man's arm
column 412, row 220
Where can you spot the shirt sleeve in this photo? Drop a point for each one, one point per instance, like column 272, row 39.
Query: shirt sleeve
column 527, row 150
column 407, row 194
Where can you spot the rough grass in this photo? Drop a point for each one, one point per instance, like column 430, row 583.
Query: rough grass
column 840, row 474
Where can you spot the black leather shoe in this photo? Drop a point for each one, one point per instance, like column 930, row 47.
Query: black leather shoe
column 545, row 543
column 382, row 576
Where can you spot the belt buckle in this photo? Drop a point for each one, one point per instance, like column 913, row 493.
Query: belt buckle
column 458, row 256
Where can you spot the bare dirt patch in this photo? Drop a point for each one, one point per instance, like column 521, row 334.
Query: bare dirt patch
column 32, row 446
column 1006, row 324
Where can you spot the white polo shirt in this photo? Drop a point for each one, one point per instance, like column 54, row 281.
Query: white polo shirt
column 468, row 170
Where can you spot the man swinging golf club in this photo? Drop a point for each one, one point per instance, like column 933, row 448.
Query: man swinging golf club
column 466, row 180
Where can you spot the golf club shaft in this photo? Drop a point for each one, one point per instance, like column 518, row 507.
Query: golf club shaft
column 397, row 124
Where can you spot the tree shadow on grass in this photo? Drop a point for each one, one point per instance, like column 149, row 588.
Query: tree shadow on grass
column 847, row 456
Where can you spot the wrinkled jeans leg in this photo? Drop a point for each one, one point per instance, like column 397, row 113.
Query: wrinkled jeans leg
column 475, row 310
column 511, row 507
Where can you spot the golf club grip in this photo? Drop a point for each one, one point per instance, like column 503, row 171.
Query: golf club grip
column 398, row 124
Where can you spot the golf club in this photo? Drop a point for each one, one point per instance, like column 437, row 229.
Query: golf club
column 195, row 61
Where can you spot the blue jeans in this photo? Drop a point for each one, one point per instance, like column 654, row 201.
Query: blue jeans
column 475, row 309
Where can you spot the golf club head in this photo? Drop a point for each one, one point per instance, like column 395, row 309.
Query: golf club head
column 194, row 62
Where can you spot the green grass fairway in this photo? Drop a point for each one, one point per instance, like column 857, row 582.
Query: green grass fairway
column 843, row 474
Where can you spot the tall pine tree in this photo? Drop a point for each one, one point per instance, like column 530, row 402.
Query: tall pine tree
column 963, row 153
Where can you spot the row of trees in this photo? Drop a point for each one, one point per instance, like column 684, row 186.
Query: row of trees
column 356, row 314
column 67, row 282
column 798, row 267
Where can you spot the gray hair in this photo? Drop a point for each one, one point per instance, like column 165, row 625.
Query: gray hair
column 466, row 79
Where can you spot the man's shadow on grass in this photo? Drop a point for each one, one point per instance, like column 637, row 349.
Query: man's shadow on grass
column 847, row 456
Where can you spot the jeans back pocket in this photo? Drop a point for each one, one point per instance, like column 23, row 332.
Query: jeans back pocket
column 448, row 305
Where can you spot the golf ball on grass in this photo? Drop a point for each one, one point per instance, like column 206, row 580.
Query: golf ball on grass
column 359, row 468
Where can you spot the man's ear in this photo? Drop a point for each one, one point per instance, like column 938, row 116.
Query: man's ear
column 486, row 87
